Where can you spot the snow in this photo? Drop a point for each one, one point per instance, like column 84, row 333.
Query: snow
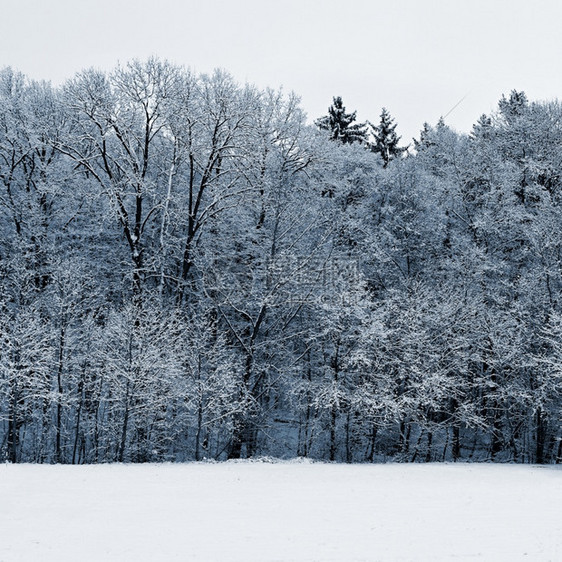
column 294, row 511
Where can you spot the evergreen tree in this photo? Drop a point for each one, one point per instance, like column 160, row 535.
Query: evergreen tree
column 385, row 140
column 482, row 129
column 341, row 124
column 514, row 107
column 425, row 138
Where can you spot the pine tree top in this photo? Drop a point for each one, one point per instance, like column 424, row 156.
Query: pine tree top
column 341, row 124
column 385, row 139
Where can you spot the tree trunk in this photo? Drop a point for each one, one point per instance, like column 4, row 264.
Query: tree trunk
column 348, row 451
column 58, row 449
column 235, row 449
column 199, row 429
column 540, row 436
column 334, row 406
column 429, row 444
column 456, row 443
column 13, row 432
column 121, row 453
column 333, row 421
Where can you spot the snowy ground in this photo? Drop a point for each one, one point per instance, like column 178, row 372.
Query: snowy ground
column 280, row 512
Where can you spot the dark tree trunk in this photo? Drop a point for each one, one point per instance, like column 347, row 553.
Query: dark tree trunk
column 14, row 423
column 348, row 444
column 333, row 421
column 540, row 436
column 123, row 443
column 58, row 448
column 13, row 435
column 429, row 445
column 235, row 449
column 456, row 443
column 371, row 455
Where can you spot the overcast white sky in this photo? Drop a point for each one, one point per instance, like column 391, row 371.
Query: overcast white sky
column 416, row 57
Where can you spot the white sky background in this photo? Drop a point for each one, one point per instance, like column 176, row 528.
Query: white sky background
column 416, row 57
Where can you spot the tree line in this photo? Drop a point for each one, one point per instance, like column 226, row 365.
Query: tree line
column 188, row 270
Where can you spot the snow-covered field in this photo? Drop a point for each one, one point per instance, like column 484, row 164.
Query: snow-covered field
column 256, row 511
